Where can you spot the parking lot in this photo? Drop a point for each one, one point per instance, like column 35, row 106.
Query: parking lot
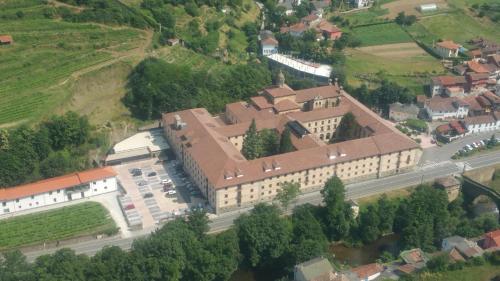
column 146, row 198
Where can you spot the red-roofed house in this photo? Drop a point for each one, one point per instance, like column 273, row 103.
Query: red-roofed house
column 443, row 84
column 476, row 81
column 56, row 190
column 447, row 49
column 6, row 40
column 329, row 31
column 492, row 239
column 368, row 272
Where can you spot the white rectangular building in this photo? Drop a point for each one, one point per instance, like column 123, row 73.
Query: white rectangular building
column 57, row 190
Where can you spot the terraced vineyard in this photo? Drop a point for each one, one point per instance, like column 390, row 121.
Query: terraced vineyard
column 82, row 219
column 45, row 53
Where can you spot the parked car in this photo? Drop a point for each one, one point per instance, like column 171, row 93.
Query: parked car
column 129, row 207
column 171, row 192
column 148, row 195
column 166, row 181
column 152, row 174
column 142, row 183
column 137, row 173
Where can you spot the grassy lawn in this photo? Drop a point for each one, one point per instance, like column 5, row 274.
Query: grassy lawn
column 458, row 25
column 45, row 53
column 395, row 194
column 87, row 218
column 366, row 67
column 380, row 34
column 476, row 273
column 181, row 55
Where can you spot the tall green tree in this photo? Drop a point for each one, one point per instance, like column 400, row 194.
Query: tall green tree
column 369, row 222
column 338, row 216
column 264, row 236
column 14, row 267
column 287, row 193
column 198, row 222
column 68, row 130
column 386, row 212
column 286, row 141
column 347, row 129
column 309, row 241
column 252, row 145
column 270, row 142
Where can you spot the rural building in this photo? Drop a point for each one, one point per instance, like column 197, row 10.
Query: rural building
column 173, row 41
column 484, row 48
column 468, row 249
column 447, row 49
column 288, row 5
column 6, row 40
column 142, row 145
column 318, row 269
column 450, row 185
column 302, row 68
column 481, row 124
column 428, row 8
column 446, row 85
column 477, row 82
column 328, row 30
column 320, row 6
column 268, row 43
column 209, row 147
column 57, row 190
column 413, row 259
column 401, row 112
column 451, row 131
column 362, row 3
column 492, row 240
column 366, row 272
column 442, row 108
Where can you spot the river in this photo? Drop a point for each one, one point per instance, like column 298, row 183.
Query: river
column 351, row 256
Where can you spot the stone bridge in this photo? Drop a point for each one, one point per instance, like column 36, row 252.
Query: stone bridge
column 473, row 188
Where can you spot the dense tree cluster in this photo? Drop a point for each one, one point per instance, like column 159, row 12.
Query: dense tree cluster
column 383, row 96
column 403, row 19
column 266, row 142
column 347, row 129
column 57, row 146
column 156, row 87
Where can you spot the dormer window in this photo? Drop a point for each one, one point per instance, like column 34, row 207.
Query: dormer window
column 228, row 175
column 239, row 173
column 266, row 167
column 332, row 154
column 276, row 165
column 342, row 152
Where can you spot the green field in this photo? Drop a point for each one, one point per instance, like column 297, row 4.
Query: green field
column 87, row 218
column 381, row 34
column 410, row 71
column 45, row 53
column 474, row 273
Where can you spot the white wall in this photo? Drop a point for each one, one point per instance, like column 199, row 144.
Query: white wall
column 479, row 128
column 57, row 196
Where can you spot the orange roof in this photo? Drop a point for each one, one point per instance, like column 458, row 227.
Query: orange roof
column 56, row 183
column 477, row 67
column 5, row 39
column 270, row 41
column 328, row 27
column 493, row 239
column 448, row 45
column 261, row 102
column 368, row 270
column 286, row 105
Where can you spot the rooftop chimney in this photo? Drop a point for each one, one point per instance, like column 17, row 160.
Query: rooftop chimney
column 178, row 122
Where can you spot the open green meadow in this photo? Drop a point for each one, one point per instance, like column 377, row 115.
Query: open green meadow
column 380, row 34
column 45, row 53
column 87, row 218
column 412, row 70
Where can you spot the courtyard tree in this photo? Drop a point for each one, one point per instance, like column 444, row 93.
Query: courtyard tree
column 286, row 141
column 347, row 129
column 252, row 145
column 270, row 142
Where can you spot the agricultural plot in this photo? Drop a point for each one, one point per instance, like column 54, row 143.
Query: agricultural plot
column 45, row 53
column 181, row 55
column 410, row 7
column 87, row 218
column 380, row 34
column 411, row 67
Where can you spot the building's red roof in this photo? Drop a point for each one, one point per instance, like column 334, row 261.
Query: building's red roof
column 368, row 270
column 457, row 126
column 5, row 39
column 56, row 183
column 448, row 45
column 477, row 67
column 270, row 41
column 492, row 239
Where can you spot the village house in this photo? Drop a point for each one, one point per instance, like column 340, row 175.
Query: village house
column 484, row 48
column 209, row 148
column 442, row 108
column 450, row 185
column 450, row 132
column 447, row 49
column 6, row 40
column 414, row 259
column 491, row 241
column 268, row 43
column 468, row 249
column 329, row 31
column 480, row 124
column 366, row 272
column 57, row 190
column 361, row 3
column 475, row 108
column 401, row 112
column 477, row 82
column 448, row 85
column 322, row 27
column 317, row 269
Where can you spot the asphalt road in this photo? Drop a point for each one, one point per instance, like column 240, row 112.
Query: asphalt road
column 427, row 171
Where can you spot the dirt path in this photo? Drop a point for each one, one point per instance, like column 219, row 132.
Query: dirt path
column 400, row 50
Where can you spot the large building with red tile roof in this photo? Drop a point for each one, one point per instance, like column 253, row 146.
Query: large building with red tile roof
column 210, row 150
column 447, row 49
column 57, row 190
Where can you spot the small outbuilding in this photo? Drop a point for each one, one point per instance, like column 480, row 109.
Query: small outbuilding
column 449, row 184
column 173, row 41
column 6, row 40
column 428, row 8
